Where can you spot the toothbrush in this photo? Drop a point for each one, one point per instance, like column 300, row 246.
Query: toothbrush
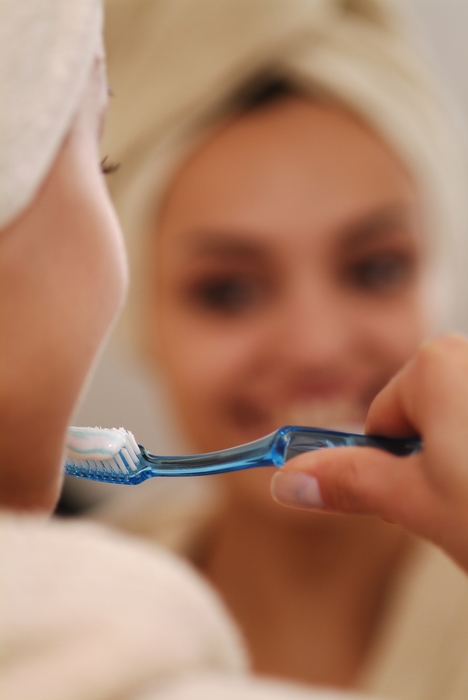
column 112, row 455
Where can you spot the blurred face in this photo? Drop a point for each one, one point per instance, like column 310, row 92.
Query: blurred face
column 62, row 277
column 289, row 265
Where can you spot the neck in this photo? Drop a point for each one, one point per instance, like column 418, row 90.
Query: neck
column 308, row 593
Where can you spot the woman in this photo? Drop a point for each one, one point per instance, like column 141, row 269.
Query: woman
column 287, row 175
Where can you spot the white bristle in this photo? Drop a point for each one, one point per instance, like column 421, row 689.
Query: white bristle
column 131, row 452
column 131, row 444
column 128, row 458
column 121, row 464
column 104, row 466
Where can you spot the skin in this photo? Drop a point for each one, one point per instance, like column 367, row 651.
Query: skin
column 428, row 492
column 62, row 279
column 290, row 267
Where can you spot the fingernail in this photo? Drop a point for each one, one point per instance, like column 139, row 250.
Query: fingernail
column 296, row 489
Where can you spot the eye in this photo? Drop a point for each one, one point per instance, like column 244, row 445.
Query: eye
column 229, row 295
column 387, row 272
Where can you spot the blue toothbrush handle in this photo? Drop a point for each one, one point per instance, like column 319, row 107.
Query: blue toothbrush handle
column 260, row 453
column 273, row 450
column 302, row 439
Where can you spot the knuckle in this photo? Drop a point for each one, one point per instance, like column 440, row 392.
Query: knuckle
column 441, row 356
column 448, row 345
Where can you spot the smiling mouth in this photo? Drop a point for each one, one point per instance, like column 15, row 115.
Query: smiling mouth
column 335, row 413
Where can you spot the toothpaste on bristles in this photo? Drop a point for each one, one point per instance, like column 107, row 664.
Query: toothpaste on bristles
column 100, row 444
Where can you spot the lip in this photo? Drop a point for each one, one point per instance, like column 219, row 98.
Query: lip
column 336, row 413
column 339, row 412
column 338, row 402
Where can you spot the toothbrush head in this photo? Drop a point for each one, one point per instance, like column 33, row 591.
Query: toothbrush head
column 103, row 454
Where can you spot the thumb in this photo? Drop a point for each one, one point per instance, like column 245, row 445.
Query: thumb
column 355, row 480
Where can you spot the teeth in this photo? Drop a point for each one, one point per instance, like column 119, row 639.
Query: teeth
column 335, row 414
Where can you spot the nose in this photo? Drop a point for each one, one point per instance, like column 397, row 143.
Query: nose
column 313, row 327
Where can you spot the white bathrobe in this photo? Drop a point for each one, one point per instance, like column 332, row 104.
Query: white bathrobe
column 420, row 648
column 87, row 614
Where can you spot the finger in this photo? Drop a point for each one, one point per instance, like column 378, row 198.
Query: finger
column 430, row 388
column 388, row 414
column 356, row 480
column 362, row 480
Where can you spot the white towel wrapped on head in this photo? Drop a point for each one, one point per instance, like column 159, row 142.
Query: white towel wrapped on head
column 46, row 51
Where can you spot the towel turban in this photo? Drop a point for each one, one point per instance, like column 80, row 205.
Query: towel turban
column 46, row 51
column 176, row 66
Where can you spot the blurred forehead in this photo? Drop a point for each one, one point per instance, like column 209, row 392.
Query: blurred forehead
column 292, row 166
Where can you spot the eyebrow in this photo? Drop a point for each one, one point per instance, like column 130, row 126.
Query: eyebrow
column 241, row 245
column 375, row 226
column 226, row 244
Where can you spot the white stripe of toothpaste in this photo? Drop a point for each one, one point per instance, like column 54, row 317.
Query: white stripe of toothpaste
column 93, row 443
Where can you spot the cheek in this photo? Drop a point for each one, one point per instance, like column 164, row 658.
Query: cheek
column 201, row 361
column 84, row 264
column 94, row 275
column 105, row 271
column 85, row 284
column 394, row 329
column 54, row 325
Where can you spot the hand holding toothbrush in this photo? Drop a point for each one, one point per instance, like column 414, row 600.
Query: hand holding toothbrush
column 425, row 492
